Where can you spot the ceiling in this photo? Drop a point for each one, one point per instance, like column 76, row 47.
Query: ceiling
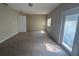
column 37, row 8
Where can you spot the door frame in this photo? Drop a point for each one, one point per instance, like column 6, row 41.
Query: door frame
column 68, row 12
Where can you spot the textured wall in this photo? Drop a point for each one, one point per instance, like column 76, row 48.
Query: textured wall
column 36, row 22
column 8, row 22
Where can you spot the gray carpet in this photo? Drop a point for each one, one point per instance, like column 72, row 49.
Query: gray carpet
column 34, row 43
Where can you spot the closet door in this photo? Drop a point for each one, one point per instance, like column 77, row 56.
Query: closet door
column 22, row 27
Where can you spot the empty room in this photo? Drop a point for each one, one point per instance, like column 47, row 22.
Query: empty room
column 39, row 29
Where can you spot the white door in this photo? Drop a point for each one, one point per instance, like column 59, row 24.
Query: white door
column 22, row 24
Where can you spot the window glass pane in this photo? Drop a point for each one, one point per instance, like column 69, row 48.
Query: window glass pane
column 49, row 22
column 69, row 30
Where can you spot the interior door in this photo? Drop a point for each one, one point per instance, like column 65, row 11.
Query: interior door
column 69, row 27
column 22, row 24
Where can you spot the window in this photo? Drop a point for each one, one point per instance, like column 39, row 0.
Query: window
column 70, row 30
column 49, row 22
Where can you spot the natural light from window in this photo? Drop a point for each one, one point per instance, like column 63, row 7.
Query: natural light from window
column 51, row 48
column 49, row 22
column 42, row 31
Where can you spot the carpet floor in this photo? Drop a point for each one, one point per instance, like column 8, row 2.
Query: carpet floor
column 32, row 43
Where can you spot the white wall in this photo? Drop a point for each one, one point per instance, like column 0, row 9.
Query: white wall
column 8, row 22
column 36, row 22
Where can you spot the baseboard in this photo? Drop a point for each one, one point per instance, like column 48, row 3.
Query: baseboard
column 8, row 37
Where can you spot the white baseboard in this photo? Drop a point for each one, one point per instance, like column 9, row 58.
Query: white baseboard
column 8, row 37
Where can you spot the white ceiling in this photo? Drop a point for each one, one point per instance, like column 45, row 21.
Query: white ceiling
column 38, row 8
